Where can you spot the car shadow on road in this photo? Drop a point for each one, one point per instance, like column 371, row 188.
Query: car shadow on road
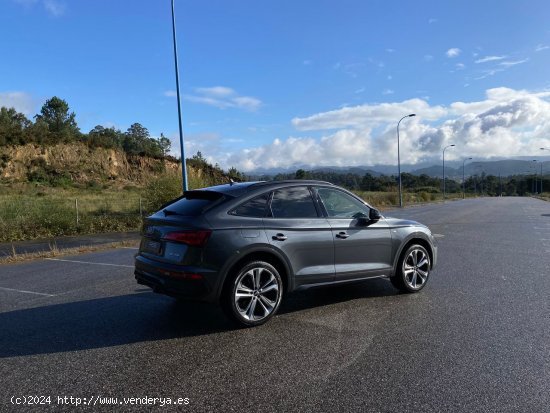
column 337, row 294
column 104, row 322
column 141, row 317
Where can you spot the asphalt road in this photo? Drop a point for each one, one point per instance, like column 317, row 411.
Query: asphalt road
column 74, row 241
column 476, row 339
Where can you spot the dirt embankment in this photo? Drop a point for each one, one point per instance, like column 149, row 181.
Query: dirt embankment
column 79, row 163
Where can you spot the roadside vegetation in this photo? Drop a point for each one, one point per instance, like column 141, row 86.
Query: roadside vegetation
column 50, row 201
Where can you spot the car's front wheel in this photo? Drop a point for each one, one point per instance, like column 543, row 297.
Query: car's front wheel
column 253, row 294
column 413, row 269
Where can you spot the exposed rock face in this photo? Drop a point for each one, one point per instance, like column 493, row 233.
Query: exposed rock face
column 80, row 162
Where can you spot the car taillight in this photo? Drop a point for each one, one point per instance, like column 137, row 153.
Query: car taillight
column 194, row 238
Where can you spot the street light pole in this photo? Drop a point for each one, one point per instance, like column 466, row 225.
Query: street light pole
column 399, row 160
column 463, row 181
column 534, row 176
column 542, row 149
column 182, row 150
column 444, row 149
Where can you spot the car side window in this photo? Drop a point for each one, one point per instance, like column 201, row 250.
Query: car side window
column 294, row 202
column 338, row 204
column 255, row 207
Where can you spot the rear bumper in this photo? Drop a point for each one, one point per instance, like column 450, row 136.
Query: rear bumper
column 174, row 280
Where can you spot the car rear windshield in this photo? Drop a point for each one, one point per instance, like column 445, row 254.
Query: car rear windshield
column 193, row 203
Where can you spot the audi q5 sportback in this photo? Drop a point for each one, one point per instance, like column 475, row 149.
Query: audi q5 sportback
column 247, row 245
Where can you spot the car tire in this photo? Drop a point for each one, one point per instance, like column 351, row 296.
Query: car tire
column 413, row 269
column 253, row 294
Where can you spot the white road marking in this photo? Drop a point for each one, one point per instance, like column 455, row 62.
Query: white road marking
column 93, row 263
column 438, row 235
column 26, row 292
column 130, row 248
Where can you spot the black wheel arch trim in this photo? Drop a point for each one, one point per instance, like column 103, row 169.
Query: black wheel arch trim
column 243, row 254
column 409, row 241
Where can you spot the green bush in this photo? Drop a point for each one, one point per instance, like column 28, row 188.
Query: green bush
column 160, row 191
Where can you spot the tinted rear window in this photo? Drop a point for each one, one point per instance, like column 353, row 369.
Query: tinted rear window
column 256, row 207
column 193, row 203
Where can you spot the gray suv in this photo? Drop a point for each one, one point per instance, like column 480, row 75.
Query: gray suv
column 246, row 245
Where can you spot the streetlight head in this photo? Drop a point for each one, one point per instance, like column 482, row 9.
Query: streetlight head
column 411, row 115
column 470, row 158
column 452, row 145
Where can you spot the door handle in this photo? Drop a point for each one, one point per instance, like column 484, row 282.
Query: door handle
column 342, row 235
column 279, row 237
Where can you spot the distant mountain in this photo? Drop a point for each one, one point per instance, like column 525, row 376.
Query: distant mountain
column 453, row 170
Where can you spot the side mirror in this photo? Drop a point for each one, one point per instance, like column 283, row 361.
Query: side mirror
column 374, row 215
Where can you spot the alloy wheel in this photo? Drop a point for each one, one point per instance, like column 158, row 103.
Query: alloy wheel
column 416, row 268
column 257, row 294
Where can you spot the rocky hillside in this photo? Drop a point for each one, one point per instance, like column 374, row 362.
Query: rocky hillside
column 78, row 163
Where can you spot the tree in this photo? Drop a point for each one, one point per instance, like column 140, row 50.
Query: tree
column 198, row 157
column 135, row 138
column 165, row 144
column 235, row 175
column 55, row 114
column 104, row 137
column 13, row 126
column 300, row 174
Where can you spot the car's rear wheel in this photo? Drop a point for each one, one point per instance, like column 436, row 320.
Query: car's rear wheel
column 253, row 294
column 413, row 269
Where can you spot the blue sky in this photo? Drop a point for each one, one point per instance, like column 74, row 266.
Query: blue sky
column 292, row 83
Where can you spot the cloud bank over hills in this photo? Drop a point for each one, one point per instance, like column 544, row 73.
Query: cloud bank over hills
column 506, row 123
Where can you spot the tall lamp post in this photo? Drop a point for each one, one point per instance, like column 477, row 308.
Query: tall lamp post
column 183, row 162
column 399, row 160
column 542, row 149
column 444, row 149
column 463, row 181
column 534, row 176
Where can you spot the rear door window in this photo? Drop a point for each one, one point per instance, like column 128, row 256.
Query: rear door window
column 293, row 202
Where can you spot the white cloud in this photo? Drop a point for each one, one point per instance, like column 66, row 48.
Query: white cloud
column 216, row 91
column 376, row 114
column 307, row 62
column 20, row 101
column 223, row 97
column 390, row 50
column 170, row 93
column 247, row 102
column 507, row 122
column 388, row 92
column 54, row 7
column 510, row 63
column 432, row 20
column 428, row 57
column 490, row 59
column 541, row 47
column 460, row 66
column 453, row 52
